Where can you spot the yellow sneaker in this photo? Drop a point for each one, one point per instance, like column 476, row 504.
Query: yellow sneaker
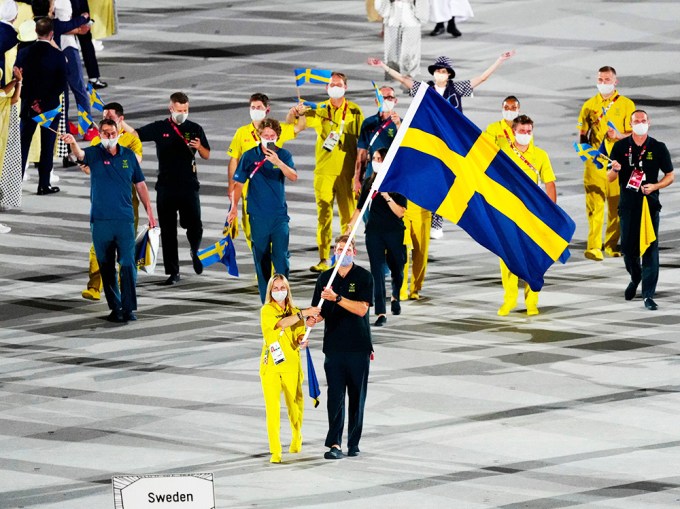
column 414, row 296
column 322, row 266
column 276, row 458
column 594, row 254
column 295, row 445
column 612, row 254
column 532, row 311
column 505, row 309
column 91, row 294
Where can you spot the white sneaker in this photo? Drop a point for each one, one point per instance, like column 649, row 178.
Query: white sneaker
column 98, row 45
column 4, row 228
column 54, row 178
column 436, row 233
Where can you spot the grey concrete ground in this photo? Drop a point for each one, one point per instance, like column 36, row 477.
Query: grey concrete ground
column 576, row 407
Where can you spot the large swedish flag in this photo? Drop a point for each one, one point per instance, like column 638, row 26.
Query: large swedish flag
column 441, row 161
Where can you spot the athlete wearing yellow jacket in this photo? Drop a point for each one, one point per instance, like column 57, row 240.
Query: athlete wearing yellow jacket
column 595, row 121
column 337, row 123
column 536, row 164
column 283, row 327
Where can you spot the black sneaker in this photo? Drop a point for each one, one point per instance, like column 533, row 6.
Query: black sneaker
column 130, row 316
column 353, row 451
column 396, row 307
column 116, row 316
column 629, row 294
column 333, row 454
column 198, row 264
column 173, row 279
column 97, row 83
column 382, row 320
column 650, row 304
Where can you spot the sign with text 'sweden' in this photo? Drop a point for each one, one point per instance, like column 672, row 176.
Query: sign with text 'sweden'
column 170, row 491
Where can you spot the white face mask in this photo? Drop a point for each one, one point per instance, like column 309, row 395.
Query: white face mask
column 510, row 115
column 605, row 89
column 336, row 92
column 388, row 106
column 179, row 118
column 270, row 144
column 440, row 78
column 377, row 166
column 640, row 129
column 109, row 143
column 280, row 295
column 257, row 115
column 347, row 260
column 523, row 139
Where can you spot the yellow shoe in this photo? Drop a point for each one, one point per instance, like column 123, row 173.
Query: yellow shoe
column 295, row 446
column 91, row 294
column 505, row 309
column 414, row 296
column 403, row 296
column 594, row 254
column 532, row 311
column 322, row 266
column 612, row 254
column 276, row 458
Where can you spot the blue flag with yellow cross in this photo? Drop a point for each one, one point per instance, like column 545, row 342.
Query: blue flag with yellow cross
column 443, row 162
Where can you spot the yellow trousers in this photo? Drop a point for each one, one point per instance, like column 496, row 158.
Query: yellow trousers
column 417, row 239
column 601, row 192
column 94, row 277
column 327, row 189
column 511, row 289
column 273, row 384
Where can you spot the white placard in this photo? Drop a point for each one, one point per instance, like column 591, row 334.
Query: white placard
column 176, row 491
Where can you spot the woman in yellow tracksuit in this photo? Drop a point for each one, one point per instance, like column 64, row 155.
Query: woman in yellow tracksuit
column 283, row 328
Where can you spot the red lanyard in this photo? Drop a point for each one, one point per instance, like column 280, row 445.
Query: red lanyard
column 604, row 111
column 252, row 133
column 525, row 160
column 377, row 133
column 258, row 165
column 630, row 155
column 344, row 112
column 172, row 124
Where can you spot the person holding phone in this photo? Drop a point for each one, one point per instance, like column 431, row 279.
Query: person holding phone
column 266, row 167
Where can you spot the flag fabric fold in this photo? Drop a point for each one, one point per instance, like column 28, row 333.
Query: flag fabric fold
column 442, row 162
column 312, row 380
column 46, row 118
column 647, row 235
column 223, row 252
column 314, row 76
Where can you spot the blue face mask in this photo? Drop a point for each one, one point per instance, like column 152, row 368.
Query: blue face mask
column 347, row 260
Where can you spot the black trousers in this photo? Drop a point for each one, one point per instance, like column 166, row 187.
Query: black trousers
column 47, row 140
column 346, row 374
column 386, row 247
column 648, row 271
column 89, row 55
column 170, row 202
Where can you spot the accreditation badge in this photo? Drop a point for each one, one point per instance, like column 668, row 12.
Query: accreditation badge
column 276, row 352
column 635, row 180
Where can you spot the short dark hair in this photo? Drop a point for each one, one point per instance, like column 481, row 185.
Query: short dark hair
column 107, row 121
column 179, row 97
column 383, row 152
column 607, row 68
column 116, row 107
column 44, row 26
column 640, row 111
column 40, row 8
column 259, row 97
column 340, row 75
column 272, row 124
column 510, row 98
column 522, row 120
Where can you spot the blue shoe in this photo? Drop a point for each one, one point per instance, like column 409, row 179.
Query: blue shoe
column 650, row 304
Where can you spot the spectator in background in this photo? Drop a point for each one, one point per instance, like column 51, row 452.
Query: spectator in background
column 446, row 11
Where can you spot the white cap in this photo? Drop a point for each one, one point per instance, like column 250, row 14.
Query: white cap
column 9, row 10
column 27, row 31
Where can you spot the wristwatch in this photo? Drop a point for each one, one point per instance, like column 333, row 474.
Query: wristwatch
column 338, row 299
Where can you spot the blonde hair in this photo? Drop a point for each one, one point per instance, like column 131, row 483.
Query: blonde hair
column 289, row 298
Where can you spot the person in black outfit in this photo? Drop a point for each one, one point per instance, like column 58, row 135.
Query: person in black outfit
column 87, row 48
column 640, row 153
column 44, row 76
column 177, row 142
column 346, row 344
column 8, row 35
column 384, row 239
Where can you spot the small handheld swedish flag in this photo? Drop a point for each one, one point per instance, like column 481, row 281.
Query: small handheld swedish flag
column 589, row 153
column 46, row 118
column 84, row 121
column 95, row 99
column 378, row 97
column 318, row 76
column 223, row 252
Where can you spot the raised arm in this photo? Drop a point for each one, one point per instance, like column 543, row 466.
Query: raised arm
column 474, row 82
column 407, row 81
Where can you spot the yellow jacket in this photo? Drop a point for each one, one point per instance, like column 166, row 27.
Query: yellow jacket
column 288, row 339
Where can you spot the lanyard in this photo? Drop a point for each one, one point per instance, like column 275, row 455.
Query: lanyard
column 507, row 136
column 174, row 127
column 605, row 110
column 525, row 160
column 630, row 155
column 252, row 133
column 258, row 165
column 377, row 133
column 342, row 122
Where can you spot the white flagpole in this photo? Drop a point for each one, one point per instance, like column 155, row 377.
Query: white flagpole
column 410, row 113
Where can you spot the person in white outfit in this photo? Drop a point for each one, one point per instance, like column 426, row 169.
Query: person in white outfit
column 402, row 21
column 447, row 11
